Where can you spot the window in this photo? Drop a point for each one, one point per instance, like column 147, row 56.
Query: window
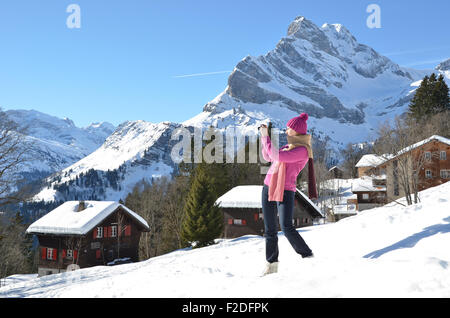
column 365, row 196
column 51, row 253
column 114, row 231
column 239, row 222
column 99, row 232
column 427, row 155
column 443, row 155
column 445, row 174
column 428, row 174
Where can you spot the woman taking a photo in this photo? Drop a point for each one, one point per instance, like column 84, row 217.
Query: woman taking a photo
column 280, row 185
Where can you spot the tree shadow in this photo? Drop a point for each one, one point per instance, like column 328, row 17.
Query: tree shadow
column 412, row 240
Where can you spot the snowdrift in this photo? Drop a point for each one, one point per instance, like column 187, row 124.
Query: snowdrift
column 390, row 251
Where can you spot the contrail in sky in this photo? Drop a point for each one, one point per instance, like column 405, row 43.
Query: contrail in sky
column 424, row 62
column 201, row 74
column 423, row 50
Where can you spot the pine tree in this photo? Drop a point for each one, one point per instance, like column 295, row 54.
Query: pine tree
column 440, row 96
column 203, row 219
column 420, row 101
column 432, row 97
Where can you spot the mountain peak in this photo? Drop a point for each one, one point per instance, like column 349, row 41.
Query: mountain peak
column 301, row 27
column 444, row 65
column 339, row 31
column 69, row 121
column 323, row 71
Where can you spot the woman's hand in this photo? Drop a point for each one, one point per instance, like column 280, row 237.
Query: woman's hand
column 290, row 147
column 264, row 130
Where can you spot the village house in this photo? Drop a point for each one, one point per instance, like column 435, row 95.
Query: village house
column 370, row 192
column 87, row 233
column 429, row 157
column 336, row 173
column 242, row 211
column 370, row 186
column 368, row 164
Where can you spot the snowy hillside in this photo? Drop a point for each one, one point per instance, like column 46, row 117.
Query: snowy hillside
column 136, row 150
column 391, row 251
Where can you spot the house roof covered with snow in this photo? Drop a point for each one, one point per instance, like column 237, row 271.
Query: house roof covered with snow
column 370, row 160
column 249, row 196
column 423, row 142
column 66, row 220
column 416, row 145
column 244, row 196
column 365, row 184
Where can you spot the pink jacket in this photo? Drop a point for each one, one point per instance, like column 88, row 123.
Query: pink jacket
column 294, row 160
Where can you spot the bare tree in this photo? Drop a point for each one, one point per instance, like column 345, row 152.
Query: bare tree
column 120, row 230
column 174, row 213
column 14, row 257
column 13, row 155
column 74, row 244
column 396, row 141
column 15, row 247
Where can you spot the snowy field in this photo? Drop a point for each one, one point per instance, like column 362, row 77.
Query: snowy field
column 391, row 251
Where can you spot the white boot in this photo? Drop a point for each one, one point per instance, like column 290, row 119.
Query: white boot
column 271, row 268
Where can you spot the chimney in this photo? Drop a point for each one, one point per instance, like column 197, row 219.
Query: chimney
column 81, row 206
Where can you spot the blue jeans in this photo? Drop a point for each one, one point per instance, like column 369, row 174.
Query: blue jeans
column 285, row 210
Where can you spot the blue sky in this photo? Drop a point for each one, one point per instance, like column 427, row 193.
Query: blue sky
column 129, row 58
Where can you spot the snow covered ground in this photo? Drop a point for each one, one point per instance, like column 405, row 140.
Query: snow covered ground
column 391, row 251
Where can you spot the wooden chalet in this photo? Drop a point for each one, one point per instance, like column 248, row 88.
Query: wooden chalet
column 430, row 156
column 367, row 165
column 370, row 192
column 242, row 211
column 80, row 234
column 336, row 173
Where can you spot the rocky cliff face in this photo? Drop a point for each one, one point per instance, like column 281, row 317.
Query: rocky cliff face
column 323, row 71
column 444, row 66
column 347, row 88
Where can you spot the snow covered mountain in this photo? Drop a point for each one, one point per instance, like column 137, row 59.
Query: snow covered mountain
column 135, row 151
column 444, row 66
column 444, row 69
column 346, row 87
column 352, row 259
column 56, row 143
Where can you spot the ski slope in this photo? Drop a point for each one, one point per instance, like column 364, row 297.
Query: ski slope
column 390, row 251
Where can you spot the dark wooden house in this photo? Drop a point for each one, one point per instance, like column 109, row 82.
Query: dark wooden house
column 336, row 172
column 370, row 191
column 242, row 211
column 80, row 234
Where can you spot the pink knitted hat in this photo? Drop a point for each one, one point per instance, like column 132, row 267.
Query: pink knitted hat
column 299, row 123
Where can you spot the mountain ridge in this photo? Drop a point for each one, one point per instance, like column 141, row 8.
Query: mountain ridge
column 344, row 86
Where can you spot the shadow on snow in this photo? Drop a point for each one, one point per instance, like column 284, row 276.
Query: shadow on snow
column 412, row 240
